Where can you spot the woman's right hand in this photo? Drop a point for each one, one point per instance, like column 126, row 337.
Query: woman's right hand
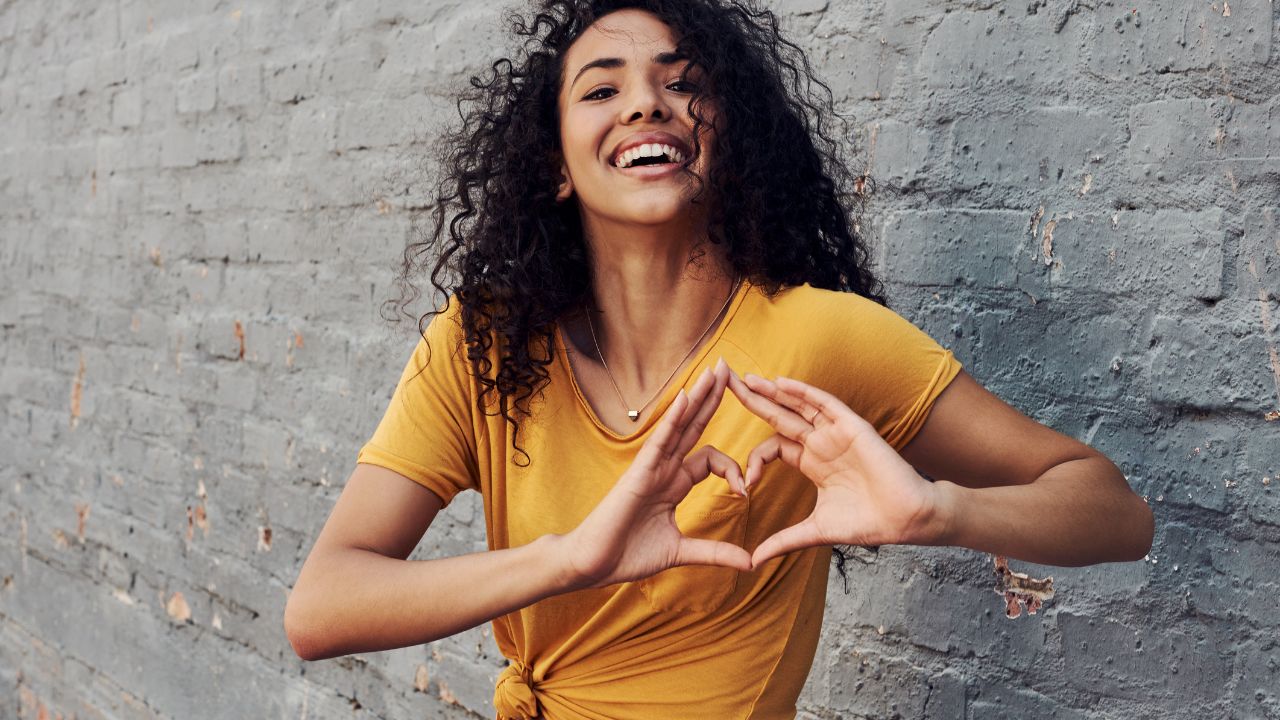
column 632, row 533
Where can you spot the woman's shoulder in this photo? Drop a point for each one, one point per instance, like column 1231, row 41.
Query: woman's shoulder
column 818, row 311
column 828, row 322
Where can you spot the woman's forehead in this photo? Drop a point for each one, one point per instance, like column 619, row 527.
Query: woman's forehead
column 623, row 33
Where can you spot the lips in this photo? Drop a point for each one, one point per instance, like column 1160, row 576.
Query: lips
column 649, row 138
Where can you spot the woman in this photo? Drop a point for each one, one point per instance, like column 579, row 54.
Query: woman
column 647, row 218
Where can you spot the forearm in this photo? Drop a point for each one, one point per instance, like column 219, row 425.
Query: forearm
column 355, row 600
column 1077, row 513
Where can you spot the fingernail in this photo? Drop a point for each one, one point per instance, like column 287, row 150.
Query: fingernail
column 720, row 362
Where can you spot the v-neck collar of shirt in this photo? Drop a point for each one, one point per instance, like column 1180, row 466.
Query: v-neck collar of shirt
column 668, row 395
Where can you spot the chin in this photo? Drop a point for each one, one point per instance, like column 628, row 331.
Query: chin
column 656, row 210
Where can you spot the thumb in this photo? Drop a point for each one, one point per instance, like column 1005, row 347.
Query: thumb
column 698, row 551
column 803, row 534
column 771, row 448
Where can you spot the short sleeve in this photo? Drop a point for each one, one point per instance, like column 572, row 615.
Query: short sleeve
column 898, row 371
column 427, row 432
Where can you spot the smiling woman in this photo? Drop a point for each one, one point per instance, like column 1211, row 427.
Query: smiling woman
column 641, row 215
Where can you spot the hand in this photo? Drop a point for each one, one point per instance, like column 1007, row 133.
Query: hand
column 867, row 494
column 632, row 533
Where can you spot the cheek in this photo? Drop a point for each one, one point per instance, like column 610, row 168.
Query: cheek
column 580, row 142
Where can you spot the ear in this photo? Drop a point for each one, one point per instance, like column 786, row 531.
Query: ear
column 565, row 191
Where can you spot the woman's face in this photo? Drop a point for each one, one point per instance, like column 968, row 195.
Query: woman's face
column 621, row 104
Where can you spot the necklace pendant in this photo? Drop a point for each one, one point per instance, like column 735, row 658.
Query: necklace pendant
column 634, row 415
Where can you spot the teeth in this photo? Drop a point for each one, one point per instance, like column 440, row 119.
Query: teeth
column 649, row 150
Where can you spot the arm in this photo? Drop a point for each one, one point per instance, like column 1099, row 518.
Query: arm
column 357, row 593
column 1008, row 485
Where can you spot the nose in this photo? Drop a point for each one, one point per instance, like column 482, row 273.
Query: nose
column 645, row 103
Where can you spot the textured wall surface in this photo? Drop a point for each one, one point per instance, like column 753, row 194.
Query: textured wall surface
column 201, row 204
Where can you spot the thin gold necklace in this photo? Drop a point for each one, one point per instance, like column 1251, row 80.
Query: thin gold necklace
column 635, row 414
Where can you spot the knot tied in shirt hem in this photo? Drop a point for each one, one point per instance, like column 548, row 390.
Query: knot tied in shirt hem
column 513, row 697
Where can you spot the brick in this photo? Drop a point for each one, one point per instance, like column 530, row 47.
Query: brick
column 79, row 75
column 463, row 45
column 236, row 388
column 870, row 68
column 1237, row 560
column 1187, row 367
column 1171, row 137
column 899, row 152
column 181, row 51
column 1187, row 465
column 1128, row 41
column 111, row 68
column 1144, row 255
column 1258, row 473
column 384, row 122
column 219, row 139
column 981, row 48
column 266, row 444
column 350, row 67
column 1043, row 148
column 8, row 23
column 127, row 152
column 1072, row 354
column 1120, row 660
column 276, row 239
column 972, row 248
column 126, row 108
column 1258, row 670
column 293, row 82
column 878, row 684
column 939, row 614
column 999, row 702
column 178, row 147
column 240, row 85
column 1258, row 265
column 197, row 93
column 313, row 128
column 947, row 696
column 1182, row 555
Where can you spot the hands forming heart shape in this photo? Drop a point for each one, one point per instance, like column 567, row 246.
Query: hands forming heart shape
column 867, row 494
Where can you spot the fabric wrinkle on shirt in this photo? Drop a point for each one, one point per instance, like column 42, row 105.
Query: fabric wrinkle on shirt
column 725, row 643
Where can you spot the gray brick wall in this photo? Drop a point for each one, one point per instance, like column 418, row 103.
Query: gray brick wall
column 201, row 205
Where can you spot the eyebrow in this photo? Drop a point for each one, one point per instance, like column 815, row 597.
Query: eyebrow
column 663, row 58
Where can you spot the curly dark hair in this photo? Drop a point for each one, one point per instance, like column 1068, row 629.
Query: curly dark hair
column 779, row 195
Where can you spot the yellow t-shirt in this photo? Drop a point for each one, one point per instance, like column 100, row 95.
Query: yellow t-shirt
column 706, row 640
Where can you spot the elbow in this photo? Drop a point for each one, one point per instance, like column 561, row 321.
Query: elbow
column 1142, row 521
column 296, row 630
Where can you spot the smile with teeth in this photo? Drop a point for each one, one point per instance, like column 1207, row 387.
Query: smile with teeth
column 652, row 150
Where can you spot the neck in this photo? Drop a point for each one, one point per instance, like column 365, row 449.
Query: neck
column 651, row 305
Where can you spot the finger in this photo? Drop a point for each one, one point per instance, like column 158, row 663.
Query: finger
column 697, row 395
column 661, row 444
column 797, row 537
column 694, row 430
column 707, row 460
column 698, row 551
column 780, row 418
column 771, row 448
column 802, row 407
column 828, row 404
column 769, row 389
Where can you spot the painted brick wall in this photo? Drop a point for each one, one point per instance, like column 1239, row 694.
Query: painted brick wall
column 201, row 204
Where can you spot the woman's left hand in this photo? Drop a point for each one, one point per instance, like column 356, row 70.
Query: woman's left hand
column 867, row 494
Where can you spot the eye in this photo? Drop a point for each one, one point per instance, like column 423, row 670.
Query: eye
column 688, row 86
column 595, row 94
